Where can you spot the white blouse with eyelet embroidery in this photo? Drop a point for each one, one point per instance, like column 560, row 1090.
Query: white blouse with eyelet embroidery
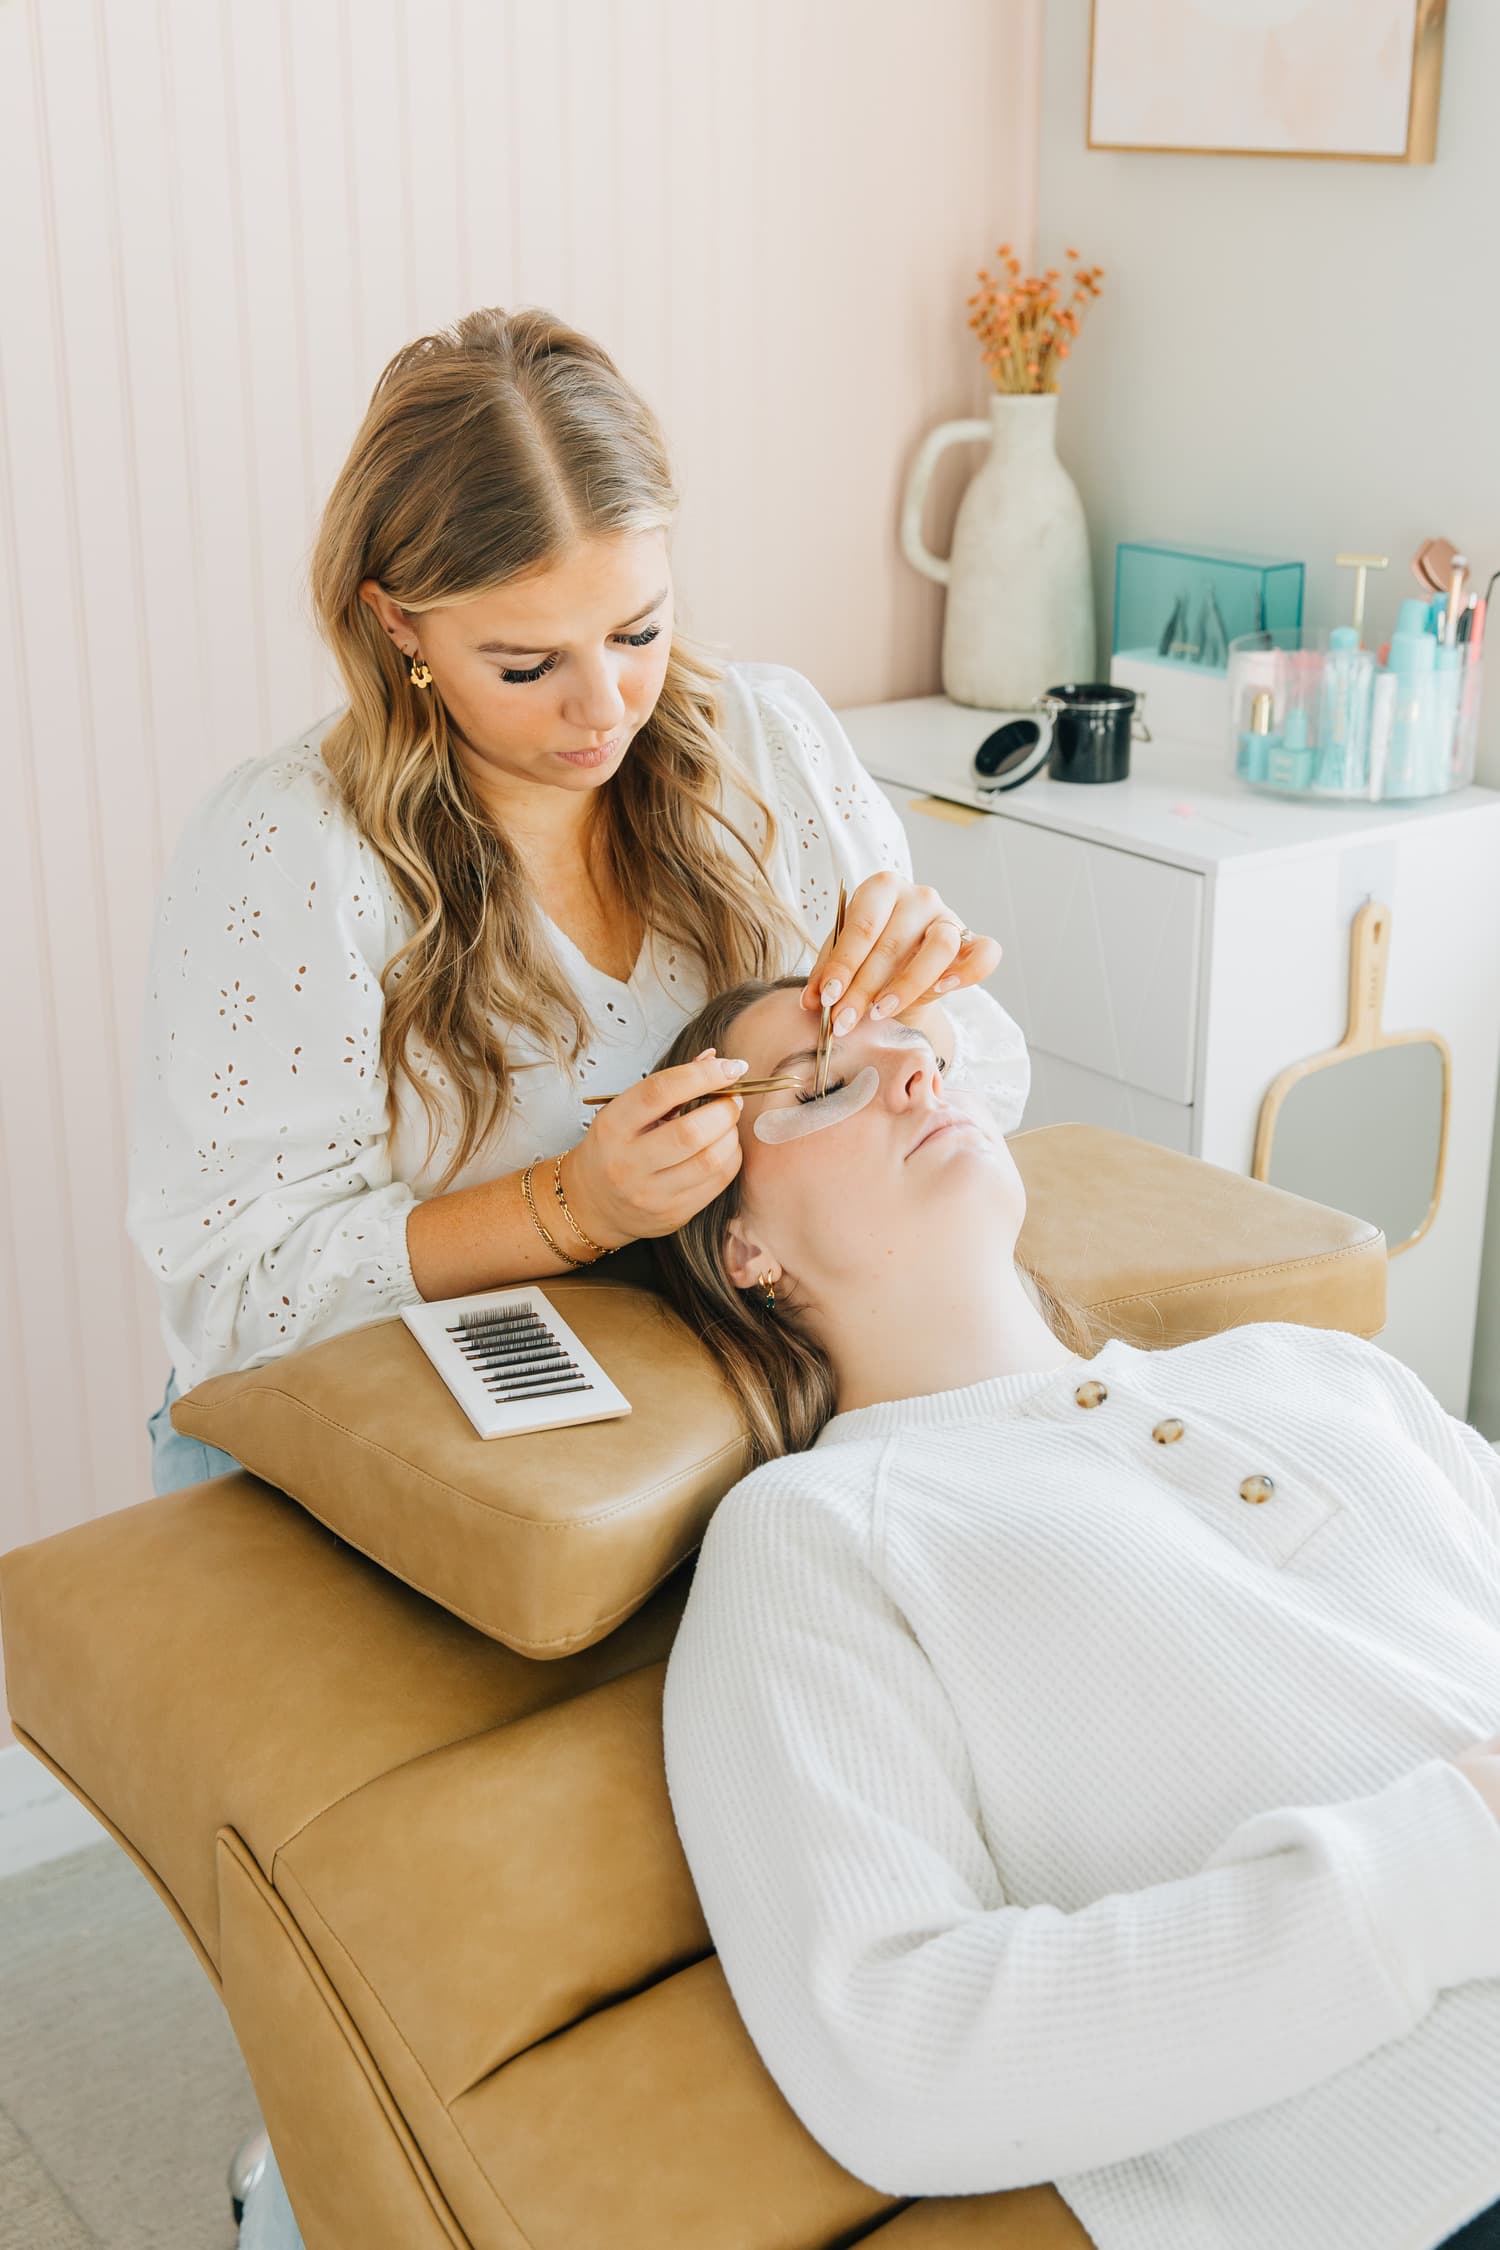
column 268, row 1193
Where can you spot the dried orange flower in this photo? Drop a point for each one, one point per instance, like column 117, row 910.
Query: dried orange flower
column 1024, row 329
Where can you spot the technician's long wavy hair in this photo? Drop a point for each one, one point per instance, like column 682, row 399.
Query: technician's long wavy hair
column 487, row 450
column 779, row 1374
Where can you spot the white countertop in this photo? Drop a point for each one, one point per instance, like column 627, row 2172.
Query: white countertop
column 1180, row 803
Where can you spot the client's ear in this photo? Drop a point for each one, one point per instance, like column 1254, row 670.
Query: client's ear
column 745, row 1259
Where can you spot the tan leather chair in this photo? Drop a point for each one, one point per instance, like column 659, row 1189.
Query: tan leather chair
column 437, row 1884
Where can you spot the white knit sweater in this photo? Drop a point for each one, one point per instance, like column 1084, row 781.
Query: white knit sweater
column 1060, row 1814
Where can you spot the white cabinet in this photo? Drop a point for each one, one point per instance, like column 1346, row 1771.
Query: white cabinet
column 1173, row 941
column 1107, row 974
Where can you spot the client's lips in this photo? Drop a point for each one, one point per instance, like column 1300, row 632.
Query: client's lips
column 943, row 1119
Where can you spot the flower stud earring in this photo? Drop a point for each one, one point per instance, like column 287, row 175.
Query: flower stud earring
column 421, row 675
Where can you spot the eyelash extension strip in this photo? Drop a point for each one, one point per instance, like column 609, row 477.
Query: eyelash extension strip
column 512, row 1362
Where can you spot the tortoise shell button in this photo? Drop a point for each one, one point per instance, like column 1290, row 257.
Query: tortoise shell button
column 1091, row 1394
column 1169, row 1431
column 1257, row 1489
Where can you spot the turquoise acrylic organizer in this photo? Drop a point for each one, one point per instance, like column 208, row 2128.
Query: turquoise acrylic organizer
column 1312, row 714
column 1182, row 606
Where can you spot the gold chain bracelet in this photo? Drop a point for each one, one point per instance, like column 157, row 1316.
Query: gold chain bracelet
column 599, row 1249
column 555, row 1247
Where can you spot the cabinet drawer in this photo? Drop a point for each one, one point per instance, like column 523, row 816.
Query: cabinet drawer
column 1101, row 947
column 1064, row 1093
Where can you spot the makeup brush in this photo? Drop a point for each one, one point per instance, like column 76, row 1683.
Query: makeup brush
column 1455, row 600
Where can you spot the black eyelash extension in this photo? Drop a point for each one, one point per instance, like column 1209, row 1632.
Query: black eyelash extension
column 515, row 1354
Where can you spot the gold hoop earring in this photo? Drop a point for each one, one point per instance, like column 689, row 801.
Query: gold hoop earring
column 769, row 1299
column 420, row 674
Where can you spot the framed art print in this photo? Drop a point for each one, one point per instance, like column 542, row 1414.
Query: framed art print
column 1331, row 78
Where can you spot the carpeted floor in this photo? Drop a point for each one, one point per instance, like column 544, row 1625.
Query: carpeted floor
column 122, row 2092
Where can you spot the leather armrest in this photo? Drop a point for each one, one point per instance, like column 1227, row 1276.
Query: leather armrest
column 1158, row 1247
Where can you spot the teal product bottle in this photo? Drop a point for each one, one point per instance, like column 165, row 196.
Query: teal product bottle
column 1447, row 689
column 1343, row 714
column 1257, row 741
column 1290, row 764
column 1413, row 658
column 1382, row 717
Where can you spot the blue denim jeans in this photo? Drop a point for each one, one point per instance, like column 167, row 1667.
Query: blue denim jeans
column 176, row 1460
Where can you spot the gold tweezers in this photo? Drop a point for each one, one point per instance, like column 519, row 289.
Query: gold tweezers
column 765, row 1085
column 825, row 1031
column 731, row 1086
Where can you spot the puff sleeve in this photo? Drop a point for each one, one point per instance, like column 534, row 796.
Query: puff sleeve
column 261, row 1194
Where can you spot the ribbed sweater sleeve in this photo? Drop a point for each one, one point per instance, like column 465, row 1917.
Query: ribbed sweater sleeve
column 933, row 2036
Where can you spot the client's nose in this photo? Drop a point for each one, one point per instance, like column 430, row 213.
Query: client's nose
column 917, row 1074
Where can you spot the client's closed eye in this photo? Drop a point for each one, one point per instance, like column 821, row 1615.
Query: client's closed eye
column 835, row 1083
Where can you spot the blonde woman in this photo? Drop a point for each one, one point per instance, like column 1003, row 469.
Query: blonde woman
column 393, row 958
column 1086, row 1756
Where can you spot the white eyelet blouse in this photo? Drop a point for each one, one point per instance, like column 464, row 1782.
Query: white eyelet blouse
column 268, row 1194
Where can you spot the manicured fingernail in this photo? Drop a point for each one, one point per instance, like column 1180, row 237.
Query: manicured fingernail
column 883, row 1006
column 831, row 990
column 945, row 984
column 732, row 1069
column 844, row 1020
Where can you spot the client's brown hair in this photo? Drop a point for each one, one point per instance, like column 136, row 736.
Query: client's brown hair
column 781, row 1378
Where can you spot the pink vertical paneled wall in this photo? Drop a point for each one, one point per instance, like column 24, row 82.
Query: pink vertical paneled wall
column 222, row 217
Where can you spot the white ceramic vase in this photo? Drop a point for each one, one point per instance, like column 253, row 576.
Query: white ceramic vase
column 1020, row 610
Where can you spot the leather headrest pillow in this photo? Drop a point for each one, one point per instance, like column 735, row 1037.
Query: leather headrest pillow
column 545, row 1541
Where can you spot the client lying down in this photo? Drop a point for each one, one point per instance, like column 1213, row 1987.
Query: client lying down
column 1087, row 1759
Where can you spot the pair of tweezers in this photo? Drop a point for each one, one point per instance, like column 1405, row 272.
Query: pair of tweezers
column 766, row 1085
column 734, row 1086
column 825, row 1031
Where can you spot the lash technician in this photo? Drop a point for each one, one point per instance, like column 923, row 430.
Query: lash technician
column 392, row 960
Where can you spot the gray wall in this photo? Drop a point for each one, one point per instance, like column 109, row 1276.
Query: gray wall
column 1298, row 356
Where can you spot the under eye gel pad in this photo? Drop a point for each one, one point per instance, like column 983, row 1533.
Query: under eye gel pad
column 797, row 1118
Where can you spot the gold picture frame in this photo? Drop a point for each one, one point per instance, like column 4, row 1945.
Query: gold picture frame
column 1369, row 953
column 1425, row 89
